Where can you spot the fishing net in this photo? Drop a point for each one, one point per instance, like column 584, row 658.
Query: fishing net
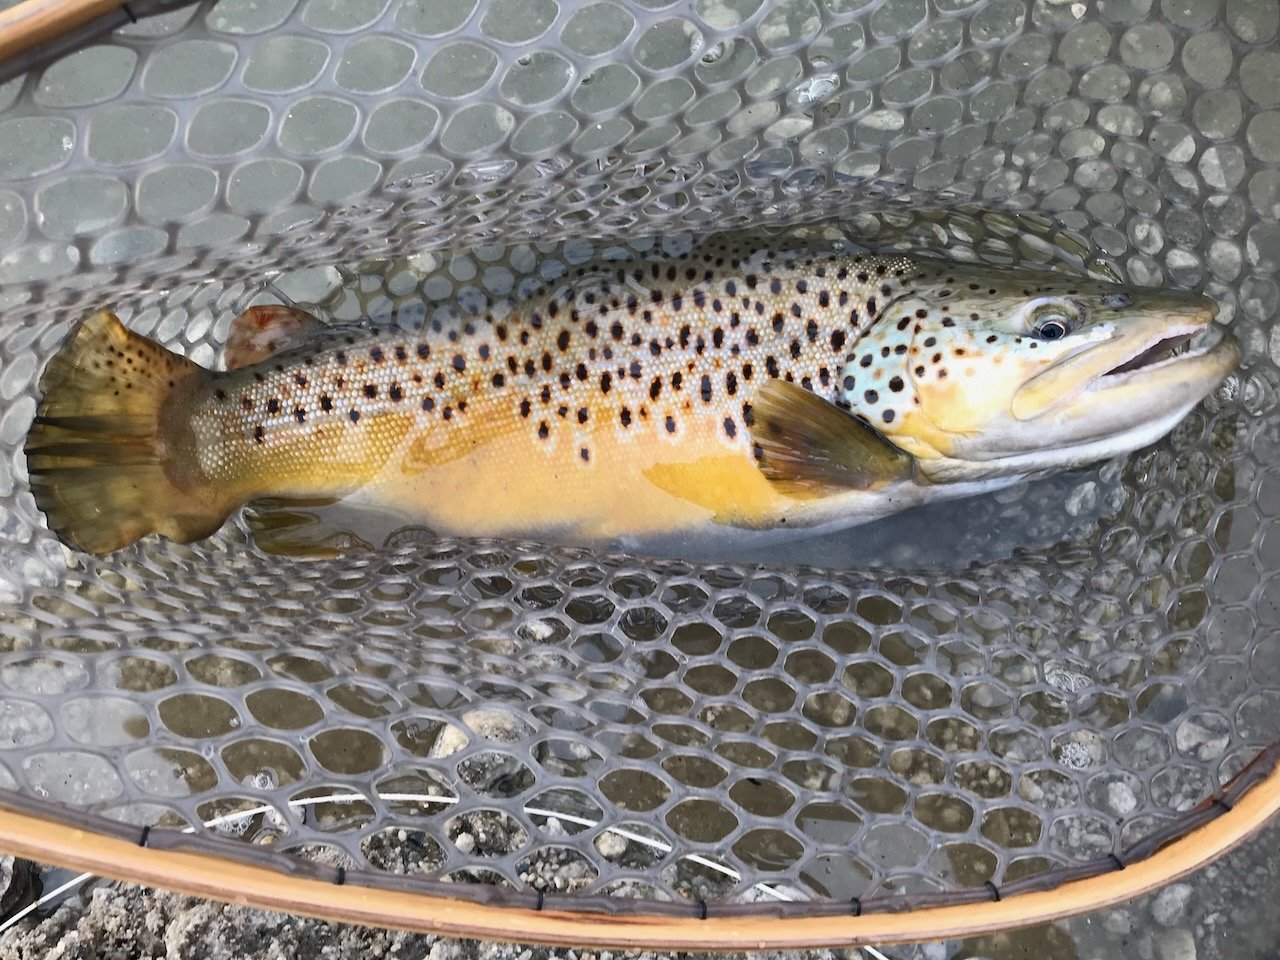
column 954, row 706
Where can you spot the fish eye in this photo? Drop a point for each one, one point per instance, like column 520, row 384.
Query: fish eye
column 1051, row 326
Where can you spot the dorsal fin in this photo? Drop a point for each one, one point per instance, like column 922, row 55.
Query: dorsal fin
column 265, row 330
column 804, row 444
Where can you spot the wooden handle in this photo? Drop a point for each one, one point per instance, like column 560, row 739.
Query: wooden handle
column 43, row 838
column 33, row 22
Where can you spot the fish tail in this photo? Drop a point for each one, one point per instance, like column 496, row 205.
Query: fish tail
column 103, row 468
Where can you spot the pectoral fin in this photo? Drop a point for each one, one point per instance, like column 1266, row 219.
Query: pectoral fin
column 804, row 444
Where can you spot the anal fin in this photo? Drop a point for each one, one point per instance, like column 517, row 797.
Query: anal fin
column 807, row 445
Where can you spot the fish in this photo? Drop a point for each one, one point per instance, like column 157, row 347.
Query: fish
column 744, row 388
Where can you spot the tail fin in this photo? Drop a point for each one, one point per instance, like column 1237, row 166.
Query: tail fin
column 97, row 453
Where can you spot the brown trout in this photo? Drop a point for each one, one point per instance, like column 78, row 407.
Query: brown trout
column 737, row 388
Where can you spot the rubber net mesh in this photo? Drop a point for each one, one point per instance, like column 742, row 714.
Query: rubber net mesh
column 980, row 692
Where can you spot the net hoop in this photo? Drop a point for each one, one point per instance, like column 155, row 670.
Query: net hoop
column 185, row 863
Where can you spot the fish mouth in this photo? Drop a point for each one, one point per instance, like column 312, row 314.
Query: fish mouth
column 1164, row 349
column 1176, row 356
column 1159, row 352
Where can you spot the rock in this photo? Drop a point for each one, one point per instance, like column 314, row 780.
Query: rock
column 19, row 884
column 610, row 845
column 1118, row 921
column 1170, row 904
column 1176, row 944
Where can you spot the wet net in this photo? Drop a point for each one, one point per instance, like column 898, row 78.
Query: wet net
column 954, row 705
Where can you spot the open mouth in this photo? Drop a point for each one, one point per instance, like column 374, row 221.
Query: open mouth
column 1164, row 349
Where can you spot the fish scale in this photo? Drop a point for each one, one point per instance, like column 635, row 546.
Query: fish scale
column 643, row 354
column 742, row 389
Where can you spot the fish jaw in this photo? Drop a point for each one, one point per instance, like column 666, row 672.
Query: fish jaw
column 1114, row 415
column 1128, row 344
column 1118, row 403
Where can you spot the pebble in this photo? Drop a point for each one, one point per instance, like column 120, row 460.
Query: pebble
column 1118, row 921
column 1170, row 905
column 1176, row 944
column 610, row 845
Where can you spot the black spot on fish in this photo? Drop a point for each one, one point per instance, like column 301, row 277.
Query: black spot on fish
column 370, row 390
column 428, row 404
column 299, row 414
column 730, row 428
column 376, row 355
column 273, row 405
column 670, row 425
column 871, row 396
column 354, row 415
column 258, row 433
column 895, row 384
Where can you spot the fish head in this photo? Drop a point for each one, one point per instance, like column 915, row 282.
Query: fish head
column 983, row 373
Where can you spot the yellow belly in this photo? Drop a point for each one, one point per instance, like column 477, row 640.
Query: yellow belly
column 511, row 483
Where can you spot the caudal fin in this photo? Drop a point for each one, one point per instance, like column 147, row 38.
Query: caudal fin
column 98, row 453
